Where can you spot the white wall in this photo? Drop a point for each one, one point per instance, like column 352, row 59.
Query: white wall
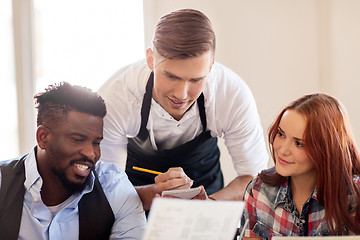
column 282, row 49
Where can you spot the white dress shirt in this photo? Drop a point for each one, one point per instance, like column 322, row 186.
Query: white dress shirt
column 230, row 108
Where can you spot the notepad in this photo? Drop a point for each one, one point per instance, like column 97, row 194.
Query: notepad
column 183, row 219
column 182, row 193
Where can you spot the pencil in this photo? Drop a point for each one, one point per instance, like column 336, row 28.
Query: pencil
column 150, row 171
column 146, row 170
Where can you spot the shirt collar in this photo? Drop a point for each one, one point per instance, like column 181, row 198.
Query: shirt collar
column 32, row 175
column 159, row 111
column 282, row 193
column 284, row 196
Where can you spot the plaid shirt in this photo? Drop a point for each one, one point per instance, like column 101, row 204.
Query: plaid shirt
column 272, row 212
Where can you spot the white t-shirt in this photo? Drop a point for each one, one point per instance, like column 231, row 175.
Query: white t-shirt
column 230, row 108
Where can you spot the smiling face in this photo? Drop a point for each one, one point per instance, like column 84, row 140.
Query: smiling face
column 72, row 148
column 178, row 82
column 290, row 156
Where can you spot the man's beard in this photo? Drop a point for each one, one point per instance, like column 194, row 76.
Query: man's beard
column 70, row 186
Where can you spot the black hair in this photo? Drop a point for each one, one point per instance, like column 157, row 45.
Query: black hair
column 55, row 103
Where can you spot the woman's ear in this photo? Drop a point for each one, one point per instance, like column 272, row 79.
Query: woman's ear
column 42, row 136
column 150, row 59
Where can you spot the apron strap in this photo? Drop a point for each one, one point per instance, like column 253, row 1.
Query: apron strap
column 145, row 108
column 201, row 105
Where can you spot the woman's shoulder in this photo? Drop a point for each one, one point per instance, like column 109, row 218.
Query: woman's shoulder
column 261, row 190
column 258, row 181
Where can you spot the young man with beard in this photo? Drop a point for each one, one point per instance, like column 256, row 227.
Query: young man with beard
column 59, row 190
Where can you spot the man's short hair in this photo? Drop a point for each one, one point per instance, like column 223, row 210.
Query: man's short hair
column 184, row 34
column 54, row 104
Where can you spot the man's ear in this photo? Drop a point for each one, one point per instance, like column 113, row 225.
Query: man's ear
column 150, row 59
column 42, row 136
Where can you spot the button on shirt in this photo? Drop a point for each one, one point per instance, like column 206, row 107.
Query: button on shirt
column 272, row 212
column 39, row 222
column 178, row 134
column 230, row 108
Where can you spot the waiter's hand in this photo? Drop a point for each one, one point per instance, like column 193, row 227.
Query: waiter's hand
column 174, row 178
column 202, row 195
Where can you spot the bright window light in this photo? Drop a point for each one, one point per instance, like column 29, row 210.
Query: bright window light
column 8, row 123
column 85, row 41
column 82, row 42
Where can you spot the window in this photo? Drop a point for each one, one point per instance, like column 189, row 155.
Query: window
column 8, row 123
column 85, row 41
column 82, row 42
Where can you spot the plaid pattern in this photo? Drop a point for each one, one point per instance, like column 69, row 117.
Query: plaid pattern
column 271, row 212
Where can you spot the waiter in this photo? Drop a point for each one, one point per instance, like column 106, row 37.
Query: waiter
column 166, row 112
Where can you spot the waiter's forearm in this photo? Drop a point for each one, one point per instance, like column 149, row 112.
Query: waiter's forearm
column 234, row 190
column 146, row 194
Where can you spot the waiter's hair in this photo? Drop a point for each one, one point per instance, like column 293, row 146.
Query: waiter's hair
column 329, row 144
column 58, row 100
column 184, row 33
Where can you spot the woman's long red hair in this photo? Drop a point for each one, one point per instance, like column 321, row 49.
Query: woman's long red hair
column 330, row 145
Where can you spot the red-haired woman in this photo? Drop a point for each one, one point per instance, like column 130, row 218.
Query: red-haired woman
column 314, row 188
